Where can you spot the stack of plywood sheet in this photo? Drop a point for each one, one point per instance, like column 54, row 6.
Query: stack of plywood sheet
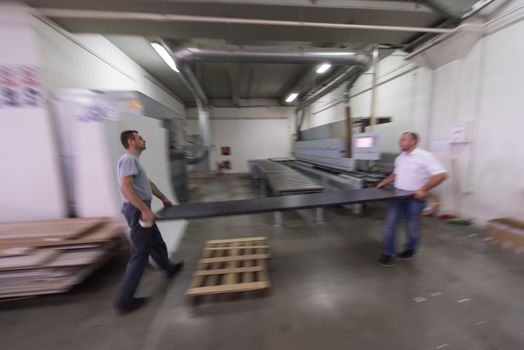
column 45, row 257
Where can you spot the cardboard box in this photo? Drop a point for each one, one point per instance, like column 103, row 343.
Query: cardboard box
column 508, row 232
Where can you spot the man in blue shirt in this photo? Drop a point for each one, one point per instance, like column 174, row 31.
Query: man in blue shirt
column 136, row 192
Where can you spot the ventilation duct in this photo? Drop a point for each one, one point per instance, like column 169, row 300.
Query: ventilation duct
column 458, row 9
column 270, row 55
column 202, row 109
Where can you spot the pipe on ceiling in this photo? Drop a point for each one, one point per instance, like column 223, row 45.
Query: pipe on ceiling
column 202, row 109
column 332, row 85
column 270, row 55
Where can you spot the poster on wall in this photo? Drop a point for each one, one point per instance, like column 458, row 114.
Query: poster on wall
column 31, row 92
column 96, row 112
column 20, row 87
column 9, row 87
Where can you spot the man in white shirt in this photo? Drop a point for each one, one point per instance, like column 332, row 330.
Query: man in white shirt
column 416, row 171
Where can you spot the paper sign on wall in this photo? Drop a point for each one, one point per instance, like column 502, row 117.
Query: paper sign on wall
column 96, row 113
column 20, row 87
column 460, row 132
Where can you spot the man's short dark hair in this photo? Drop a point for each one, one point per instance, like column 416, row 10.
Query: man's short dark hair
column 413, row 135
column 127, row 135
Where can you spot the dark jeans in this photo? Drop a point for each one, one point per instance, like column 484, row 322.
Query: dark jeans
column 144, row 242
column 411, row 209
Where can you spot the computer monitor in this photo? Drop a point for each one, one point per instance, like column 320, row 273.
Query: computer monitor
column 366, row 146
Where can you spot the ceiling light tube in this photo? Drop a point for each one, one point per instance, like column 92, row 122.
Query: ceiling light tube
column 324, row 67
column 162, row 52
column 291, row 97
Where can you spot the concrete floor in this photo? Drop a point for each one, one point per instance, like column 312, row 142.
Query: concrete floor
column 327, row 292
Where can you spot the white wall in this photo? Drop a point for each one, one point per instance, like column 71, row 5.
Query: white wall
column 32, row 187
column 31, row 182
column 90, row 61
column 498, row 178
column 252, row 133
column 404, row 98
column 483, row 89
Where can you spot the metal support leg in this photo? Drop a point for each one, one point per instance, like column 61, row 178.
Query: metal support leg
column 319, row 215
column 278, row 218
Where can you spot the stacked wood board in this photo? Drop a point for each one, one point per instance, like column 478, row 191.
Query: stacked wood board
column 46, row 257
column 230, row 267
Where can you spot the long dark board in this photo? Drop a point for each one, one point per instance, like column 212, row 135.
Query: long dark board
column 268, row 204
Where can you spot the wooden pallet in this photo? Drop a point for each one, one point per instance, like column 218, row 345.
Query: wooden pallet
column 230, row 267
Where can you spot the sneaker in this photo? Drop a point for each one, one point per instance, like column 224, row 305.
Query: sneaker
column 175, row 268
column 136, row 304
column 407, row 254
column 385, row 260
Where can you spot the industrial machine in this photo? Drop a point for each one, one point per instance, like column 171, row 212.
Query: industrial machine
column 341, row 163
column 88, row 126
column 329, row 157
column 366, row 146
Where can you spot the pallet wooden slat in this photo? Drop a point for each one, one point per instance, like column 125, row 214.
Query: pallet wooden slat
column 229, row 270
column 214, row 279
column 235, row 240
column 223, row 259
column 238, row 247
column 250, row 276
column 231, row 278
column 241, row 287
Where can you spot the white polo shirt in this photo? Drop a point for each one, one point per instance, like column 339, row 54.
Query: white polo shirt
column 413, row 170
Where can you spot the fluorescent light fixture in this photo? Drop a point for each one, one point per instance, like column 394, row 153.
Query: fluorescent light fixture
column 479, row 5
column 165, row 56
column 291, row 97
column 323, row 68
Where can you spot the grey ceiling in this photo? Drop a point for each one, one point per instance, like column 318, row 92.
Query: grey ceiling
column 114, row 18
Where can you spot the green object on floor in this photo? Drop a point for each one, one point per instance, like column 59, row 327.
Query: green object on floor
column 459, row 221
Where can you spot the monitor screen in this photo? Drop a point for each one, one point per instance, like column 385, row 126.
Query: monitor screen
column 364, row 142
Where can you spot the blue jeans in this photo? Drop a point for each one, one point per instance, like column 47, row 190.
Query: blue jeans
column 411, row 209
column 144, row 242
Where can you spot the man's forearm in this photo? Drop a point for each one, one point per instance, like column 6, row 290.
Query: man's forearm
column 133, row 198
column 157, row 192
column 387, row 180
column 435, row 181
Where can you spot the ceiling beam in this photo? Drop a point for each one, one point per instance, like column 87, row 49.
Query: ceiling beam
column 408, row 6
column 159, row 18
column 443, row 8
column 250, row 79
column 198, row 73
column 233, row 73
column 297, row 81
column 397, row 6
